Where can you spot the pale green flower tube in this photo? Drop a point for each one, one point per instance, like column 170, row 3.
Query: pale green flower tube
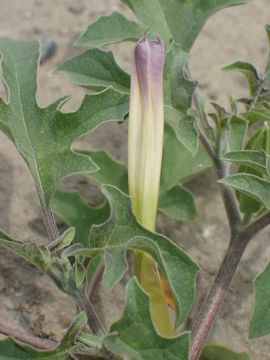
column 145, row 147
column 146, row 123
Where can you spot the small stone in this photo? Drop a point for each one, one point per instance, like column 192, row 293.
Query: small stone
column 48, row 48
column 75, row 8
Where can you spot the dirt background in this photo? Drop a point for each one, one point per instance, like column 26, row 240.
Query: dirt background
column 28, row 299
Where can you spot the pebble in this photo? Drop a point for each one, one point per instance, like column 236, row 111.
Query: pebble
column 48, row 48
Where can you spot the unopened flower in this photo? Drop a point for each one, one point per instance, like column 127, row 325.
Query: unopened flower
column 146, row 123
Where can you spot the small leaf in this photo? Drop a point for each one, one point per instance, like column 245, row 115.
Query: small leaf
column 260, row 113
column 260, row 321
column 110, row 29
column 79, row 273
column 217, row 352
column 63, row 241
column 39, row 256
column 249, row 71
column 178, row 203
column 251, row 185
column 255, row 159
column 93, row 271
column 267, row 70
column 96, row 69
column 135, row 320
column 237, row 132
column 75, row 212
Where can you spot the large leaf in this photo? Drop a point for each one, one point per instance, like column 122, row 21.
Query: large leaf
column 251, row 185
column 176, row 20
column 135, row 320
column 110, row 29
column 260, row 322
column 121, row 232
column 95, row 69
column 75, row 212
column 11, row 349
column 43, row 136
column 217, row 352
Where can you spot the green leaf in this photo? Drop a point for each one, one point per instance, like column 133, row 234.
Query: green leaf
column 217, row 352
column 150, row 14
column 64, row 240
column 121, row 232
column 96, row 69
column 135, row 320
column 38, row 255
column 178, row 164
column 43, row 136
column 111, row 171
column 249, row 71
column 178, row 203
column 185, row 19
column 79, row 274
column 260, row 321
column 110, row 29
column 267, row 70
column 178, row 91
column 251, row 185
column 14, row 350
column 75, row 212
column 258, row 114
column 237, row 132
column 94, row 270
column 175, row 19
column 255, row 159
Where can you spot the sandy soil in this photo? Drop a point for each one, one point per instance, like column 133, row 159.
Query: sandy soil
column 28, row 299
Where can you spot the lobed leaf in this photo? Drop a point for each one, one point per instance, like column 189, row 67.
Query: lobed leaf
column 43, row 136
column 122, row 232
column 135, row 320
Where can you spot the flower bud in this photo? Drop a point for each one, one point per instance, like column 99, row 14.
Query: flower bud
column 146, row 123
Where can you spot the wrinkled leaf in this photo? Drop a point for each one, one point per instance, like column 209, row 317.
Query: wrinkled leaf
column 217, row 352
column 135, row 320
column 251, row 185
column 110, row 29
column 260, row 321
column 96, row 69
